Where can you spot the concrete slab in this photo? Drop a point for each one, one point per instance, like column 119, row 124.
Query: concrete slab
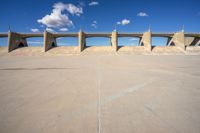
column 100, row 93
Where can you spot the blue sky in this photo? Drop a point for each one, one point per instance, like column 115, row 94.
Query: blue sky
column 99, row 16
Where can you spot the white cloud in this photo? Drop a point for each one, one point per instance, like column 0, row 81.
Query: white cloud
column 35, row 30
column 118, row 23
column 72, row 9
column 93, row 3
column 94, row 24
column 57, row 18
column 142, row 14
column 63, row 29
column 50, row 30
column 124, row 22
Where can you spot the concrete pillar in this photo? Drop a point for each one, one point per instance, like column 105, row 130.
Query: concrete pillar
column 15, row 40
column 114, row 40
column 146, row 40
column 49, row 41
column 179, row 40
column 81, row 40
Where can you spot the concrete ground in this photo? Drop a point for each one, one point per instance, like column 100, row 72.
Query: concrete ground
column 100, row 93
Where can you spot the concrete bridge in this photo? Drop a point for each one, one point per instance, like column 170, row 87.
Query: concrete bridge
column 179, row 40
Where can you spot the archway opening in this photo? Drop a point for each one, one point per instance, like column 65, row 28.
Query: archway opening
column 35, row 41
column 128, row 41
column 97, row 41
column 21, row 45
column 160, row 41
column 192, row 41
column 3, row 42
column 67, row 41
column 53, row 44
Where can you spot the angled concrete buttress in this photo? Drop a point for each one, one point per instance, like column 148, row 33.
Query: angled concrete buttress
column 114, row 40
column 49, row 41
column 146, row 40
column 81, row 40
column 179, row 40
column 15, row 40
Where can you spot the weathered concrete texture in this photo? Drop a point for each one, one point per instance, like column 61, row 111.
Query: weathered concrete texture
column 49, row 41
column 167, row 50
column 134, row 49
column 74, row 50
column 81, row 38
column 138, row 94
column 26, row 51
column 146, row 40
column 99, row 49
column 179, row 40
column 63, row 50
column 114, row 40
column 15, row 40
column 193, row 50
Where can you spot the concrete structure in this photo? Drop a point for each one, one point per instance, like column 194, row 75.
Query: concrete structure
column 49, row 41
column 16, row 40
column 179, row 40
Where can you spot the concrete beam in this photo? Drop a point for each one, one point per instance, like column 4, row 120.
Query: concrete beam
column 87, row 35
column 15, row 40
column 29, row 35
column 81, row 40
column 146, row 40
column 114, row 40
column 3, row 34
column 57, row 35
column 49, row 41
column 130, row 34
column 162, row 34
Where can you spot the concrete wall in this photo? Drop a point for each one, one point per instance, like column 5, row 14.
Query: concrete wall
column 14, row 39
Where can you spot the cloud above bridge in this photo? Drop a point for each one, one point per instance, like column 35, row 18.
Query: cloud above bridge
column 142, row 14
column 124, row 22
column 94, row 24
column 49, row 29
column 93, row 3
column 35, row 30
column 59, row 19
column 63, row 29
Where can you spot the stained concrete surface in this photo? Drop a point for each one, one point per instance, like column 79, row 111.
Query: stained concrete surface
column 116, row 93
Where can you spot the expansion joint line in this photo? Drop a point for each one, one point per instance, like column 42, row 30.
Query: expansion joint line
column 99, row 97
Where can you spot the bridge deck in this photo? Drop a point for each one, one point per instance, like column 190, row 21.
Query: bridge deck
column 103, row 34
